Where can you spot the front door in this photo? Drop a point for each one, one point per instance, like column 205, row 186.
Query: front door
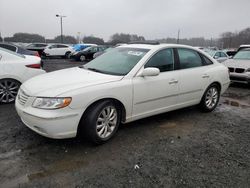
column 156, row 94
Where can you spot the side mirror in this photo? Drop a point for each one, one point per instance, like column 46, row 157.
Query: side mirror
column 216, row 57
column 150, row 71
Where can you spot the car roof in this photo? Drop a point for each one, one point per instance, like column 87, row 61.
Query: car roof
column 158, row 46
column 246, row 49
column 245, row 45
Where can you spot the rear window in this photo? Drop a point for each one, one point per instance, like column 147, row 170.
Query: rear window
column 8, row 47
column 12, row 53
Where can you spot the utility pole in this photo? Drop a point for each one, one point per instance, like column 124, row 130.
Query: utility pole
column 178, row 37
column 61, row 17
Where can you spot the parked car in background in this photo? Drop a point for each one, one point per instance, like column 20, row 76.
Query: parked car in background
column 123, row 85
column 230, row 52
column 39, row 47
column 14, row 70
column 59, row 50
column 244, row 46
column 80, row 47
column 239, row 66
column 101, row 52
column 220, row 56
column 18, row 49
column 87, row 54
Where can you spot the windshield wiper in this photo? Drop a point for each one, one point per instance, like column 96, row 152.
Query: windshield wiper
column 93, row 69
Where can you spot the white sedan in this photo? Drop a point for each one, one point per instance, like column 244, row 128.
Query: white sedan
column 14, row 70
column 123, row 85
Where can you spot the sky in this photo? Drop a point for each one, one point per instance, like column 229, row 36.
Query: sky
column 153, row 19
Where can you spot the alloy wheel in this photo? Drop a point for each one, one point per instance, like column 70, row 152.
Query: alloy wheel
column 8, row 90
column 106, row 122
column 82, row 58
column 211, row 98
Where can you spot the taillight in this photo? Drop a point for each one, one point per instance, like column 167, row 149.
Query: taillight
column 34, row 66
column 37, row 54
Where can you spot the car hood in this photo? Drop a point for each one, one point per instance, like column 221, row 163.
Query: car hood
column 58, row 82
column 236, row 63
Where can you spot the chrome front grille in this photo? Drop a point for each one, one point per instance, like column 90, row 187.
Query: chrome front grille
column 231, row 69
column 237, row 70
column 22, row 97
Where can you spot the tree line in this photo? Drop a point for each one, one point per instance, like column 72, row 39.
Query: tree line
column 114, row 39
column 226, row 39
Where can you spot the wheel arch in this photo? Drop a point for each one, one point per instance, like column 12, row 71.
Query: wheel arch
column 11, row 78
column 215, row 82
column 117, row 102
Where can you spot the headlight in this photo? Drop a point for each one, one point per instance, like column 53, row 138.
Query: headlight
column 51, row 103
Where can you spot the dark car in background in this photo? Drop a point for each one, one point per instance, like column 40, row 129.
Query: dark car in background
column 18, row 49
column 87, row 53
column 39, row 47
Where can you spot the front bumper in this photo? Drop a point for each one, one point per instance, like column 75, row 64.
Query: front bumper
column 57, row 124
column 240, row 77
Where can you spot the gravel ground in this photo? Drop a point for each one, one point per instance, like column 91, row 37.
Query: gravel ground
column 184, row 148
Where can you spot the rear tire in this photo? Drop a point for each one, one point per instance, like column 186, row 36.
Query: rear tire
column 210, row 98
column 100, row 122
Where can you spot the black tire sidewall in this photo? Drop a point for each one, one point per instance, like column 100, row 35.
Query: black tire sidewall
column 89, row 121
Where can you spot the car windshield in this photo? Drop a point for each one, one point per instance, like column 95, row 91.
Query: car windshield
column 210, row 52
column 118, row 61
column 245, row 54
column 12, row 53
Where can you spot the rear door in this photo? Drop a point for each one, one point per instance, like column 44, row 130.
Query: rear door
column 156, row 94
column 62, row 49
column 193, row 76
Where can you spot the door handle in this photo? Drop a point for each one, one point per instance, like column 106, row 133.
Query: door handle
column 205, row 76
column 173, row 81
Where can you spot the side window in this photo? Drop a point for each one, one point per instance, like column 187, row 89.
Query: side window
column 41, row 45
column 163, row 60
column 189, row 58
column 207, row 61
column 94, row 49
column 52, row 46
column 217, row 54
column 222, row 54
column 61, row 46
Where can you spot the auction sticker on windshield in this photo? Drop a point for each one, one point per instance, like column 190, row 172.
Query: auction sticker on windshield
column 136, row 53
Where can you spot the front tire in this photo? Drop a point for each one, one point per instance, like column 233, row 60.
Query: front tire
column 101, row 121
column 67, row 55
column 210, row 98
column 8, row 90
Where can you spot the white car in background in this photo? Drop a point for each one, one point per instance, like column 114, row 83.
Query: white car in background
column 239, row 66
column 62, row 50
column 14, row 70
column 125, row 84
column 219, row 55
